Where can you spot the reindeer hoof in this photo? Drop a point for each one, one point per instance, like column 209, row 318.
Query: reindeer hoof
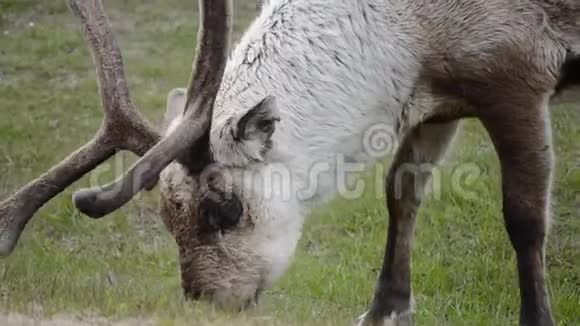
column 403, row 319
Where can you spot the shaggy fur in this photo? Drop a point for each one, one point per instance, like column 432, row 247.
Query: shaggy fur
column 339, row 68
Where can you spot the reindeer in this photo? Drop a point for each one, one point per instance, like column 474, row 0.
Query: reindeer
column 301, row 87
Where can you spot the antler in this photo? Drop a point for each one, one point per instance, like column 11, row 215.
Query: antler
column 123, row 128
column 208, row 68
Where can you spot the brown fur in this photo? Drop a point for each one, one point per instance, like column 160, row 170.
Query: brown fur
column 506, row 85
column 214, row 265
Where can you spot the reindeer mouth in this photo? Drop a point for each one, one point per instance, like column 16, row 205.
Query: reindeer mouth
column 229, row 300
column 252, row 302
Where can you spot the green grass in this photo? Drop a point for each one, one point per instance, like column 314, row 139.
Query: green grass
column 126, row 265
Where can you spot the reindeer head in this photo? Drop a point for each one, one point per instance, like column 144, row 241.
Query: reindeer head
column 231, row 246
column 228, row 251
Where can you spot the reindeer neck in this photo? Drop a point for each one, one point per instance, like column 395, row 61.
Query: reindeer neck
column 338, row 70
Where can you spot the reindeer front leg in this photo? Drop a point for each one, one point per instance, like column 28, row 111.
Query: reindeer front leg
column 405, row 185
column 521, row 134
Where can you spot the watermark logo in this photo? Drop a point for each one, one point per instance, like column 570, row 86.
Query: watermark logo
column 339, row 175
column 379, row 140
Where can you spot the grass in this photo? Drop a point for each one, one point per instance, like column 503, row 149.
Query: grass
column 126, row 265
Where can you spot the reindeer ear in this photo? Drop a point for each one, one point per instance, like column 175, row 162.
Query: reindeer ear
column 175, row 106
column 259, row 123
column 199, row 155
column 261, row 4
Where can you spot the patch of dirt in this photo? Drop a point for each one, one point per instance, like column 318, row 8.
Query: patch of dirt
column 69, row 320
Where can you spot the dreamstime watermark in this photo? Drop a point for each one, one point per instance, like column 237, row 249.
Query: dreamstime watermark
column 340, row 175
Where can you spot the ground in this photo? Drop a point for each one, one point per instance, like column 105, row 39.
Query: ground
column 124, row 267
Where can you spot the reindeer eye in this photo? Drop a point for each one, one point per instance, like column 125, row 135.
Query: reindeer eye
column 266, row 126
column 220, row 211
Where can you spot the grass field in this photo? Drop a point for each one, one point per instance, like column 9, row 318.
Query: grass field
column 125, row 266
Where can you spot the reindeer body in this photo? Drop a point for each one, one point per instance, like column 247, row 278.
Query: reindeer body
column 317, row 89
column 339, row 68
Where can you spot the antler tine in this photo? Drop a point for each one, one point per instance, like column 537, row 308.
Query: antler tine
column 122, row 128
column 121, row 115
column 17, row 210
column 208, row 68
